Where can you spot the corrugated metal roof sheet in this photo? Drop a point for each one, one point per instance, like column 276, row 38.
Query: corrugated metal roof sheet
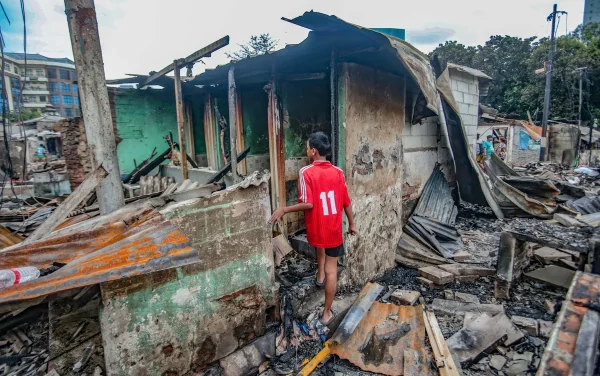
column 378, row 49
column 472, row 71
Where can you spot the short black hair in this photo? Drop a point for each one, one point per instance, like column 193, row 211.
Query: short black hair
column 490, row 136
column 320, row 141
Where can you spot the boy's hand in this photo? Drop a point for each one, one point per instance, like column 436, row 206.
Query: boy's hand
column 277, row 214
column 352, row 230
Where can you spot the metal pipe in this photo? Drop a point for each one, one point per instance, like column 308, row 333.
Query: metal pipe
column 180, row 130
column 85, row 41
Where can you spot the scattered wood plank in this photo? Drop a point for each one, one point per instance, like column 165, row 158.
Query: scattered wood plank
column 441, row 352
column 63, row 210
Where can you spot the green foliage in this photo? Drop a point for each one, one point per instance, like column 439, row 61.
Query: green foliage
column 26, row 114
column 512, row 61
column 257, row 45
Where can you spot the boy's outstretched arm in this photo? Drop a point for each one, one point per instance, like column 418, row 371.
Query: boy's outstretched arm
column 278, row 213
column 350, row 216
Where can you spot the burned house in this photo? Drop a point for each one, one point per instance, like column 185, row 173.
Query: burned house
column 373, row 94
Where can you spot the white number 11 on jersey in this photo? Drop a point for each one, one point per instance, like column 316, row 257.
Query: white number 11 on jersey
column 331, row 196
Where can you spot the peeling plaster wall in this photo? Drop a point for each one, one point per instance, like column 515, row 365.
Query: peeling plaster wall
column 371, row 119
column 181, row 319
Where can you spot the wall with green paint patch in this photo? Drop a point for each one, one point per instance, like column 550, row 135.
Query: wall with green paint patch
column 144, row 118
column 307, row 109
column 197, row 103
column 181, row 319
column 255, row 104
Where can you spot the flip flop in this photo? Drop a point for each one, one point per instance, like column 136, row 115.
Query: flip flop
column 333, row 315
column 317, row 283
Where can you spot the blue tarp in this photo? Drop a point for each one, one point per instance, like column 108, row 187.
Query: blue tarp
column 524, row 140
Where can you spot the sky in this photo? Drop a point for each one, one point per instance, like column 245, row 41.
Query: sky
column 139, row 36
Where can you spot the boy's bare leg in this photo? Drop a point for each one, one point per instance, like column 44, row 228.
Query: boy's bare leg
column 320, row 265
column 330, row 285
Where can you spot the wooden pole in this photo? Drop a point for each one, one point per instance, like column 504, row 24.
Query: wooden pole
column 232, row 127
column 85, row 41
column 180, row 130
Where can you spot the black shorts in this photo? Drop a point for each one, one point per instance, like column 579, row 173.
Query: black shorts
column 335, row 251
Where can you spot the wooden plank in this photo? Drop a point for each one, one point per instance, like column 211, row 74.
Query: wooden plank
column 232, row 128
column 203, row 52
column 239, row 124
column 189, row 129
column 63, row 210
column 180, row 130
column 448, row 368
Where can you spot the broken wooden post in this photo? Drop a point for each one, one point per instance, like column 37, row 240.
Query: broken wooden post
column 595, row 252
column 180, row 129
column 512, row 259
column 66, row 207
column 85, row 41
column 232, row 127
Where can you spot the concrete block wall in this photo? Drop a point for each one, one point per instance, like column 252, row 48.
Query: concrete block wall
column 420, row 137
column 465, row 88
column 423, row 145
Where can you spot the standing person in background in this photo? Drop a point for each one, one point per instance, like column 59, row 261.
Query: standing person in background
column 40, row 153
column 488, row 146
column 322, row 193
column 501, row 148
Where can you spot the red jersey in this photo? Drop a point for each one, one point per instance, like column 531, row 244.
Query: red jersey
column 323, row 185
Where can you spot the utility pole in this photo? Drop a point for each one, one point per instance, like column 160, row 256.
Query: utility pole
column 85, row 41
column 551, row 17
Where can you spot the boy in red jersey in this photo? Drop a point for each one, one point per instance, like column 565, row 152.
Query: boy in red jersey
column 322, row 193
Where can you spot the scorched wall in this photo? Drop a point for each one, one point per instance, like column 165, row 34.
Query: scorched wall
column 371, row 121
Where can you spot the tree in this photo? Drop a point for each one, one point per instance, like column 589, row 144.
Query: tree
column 512, row 62
column 257, row 45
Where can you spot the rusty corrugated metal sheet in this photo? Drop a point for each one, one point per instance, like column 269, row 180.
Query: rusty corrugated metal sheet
column 134, row 240
column 560, row 352
column 384, row 336
column 7, row 238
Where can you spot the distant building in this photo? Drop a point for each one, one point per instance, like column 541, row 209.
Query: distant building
column 591, row 11
column 50, row 84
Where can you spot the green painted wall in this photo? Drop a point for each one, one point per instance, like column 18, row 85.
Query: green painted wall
column 183, row 318
column 197, row 102
column 255, row 104
column 307, row 109
column 144, row 118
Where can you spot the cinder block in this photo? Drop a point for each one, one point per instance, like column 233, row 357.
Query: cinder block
column 463, row 108
column 473, row 110
column 412, row 142
column 418, row 130
column 469, row 120
column 429, row 141
column 462, row 86
column 458, row 96
column 474, row 89
column 453, row 84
